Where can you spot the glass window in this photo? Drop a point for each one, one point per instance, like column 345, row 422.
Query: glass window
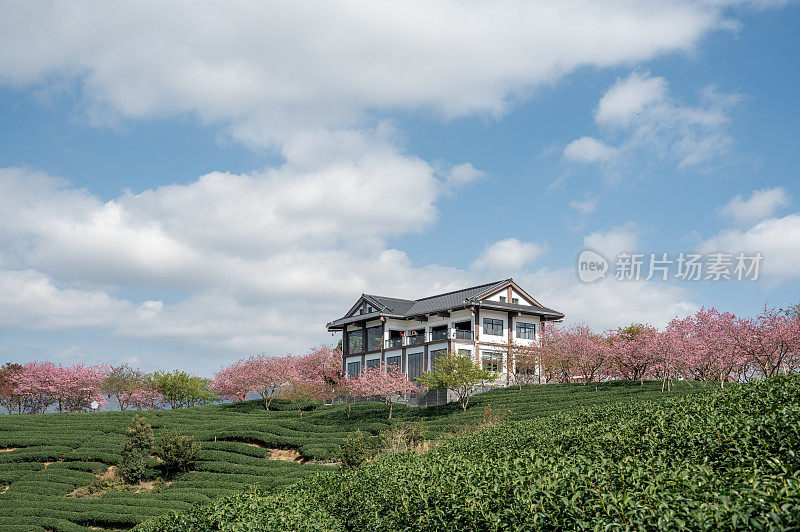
column 353, row 369
column 375, row 363
column 374, row 338
column 435, row 356
column 502, row 299
column 355, row 341
column 415, row 366
column 515, row 300
column 526, row 331
column 491, row 361
column 393, row 361
column 491, row 326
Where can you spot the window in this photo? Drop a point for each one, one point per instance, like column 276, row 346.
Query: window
column 502, row 299
column 515, row 300
column 463, row 330
column 435, row 356
column 355, row 341
column 374, row 338
column 465, row 352
column 353, row 369
column 491, row 326
column 491, row 361
column 393, row 361
column 374, row 363
column 526, row 331
column 415, row 366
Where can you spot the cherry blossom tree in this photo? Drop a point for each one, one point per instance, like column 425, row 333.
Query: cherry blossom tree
column 630, row 351
column 586, row 351
column 385, row 382
column 10, row 398
column 123, row 381
column 768, row 341
column 144, row 398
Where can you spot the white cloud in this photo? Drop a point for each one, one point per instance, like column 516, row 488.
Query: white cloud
column 614, row 241
column 620, row 105
column 647, row 124
column 775, row 238
column 761, row 204
column 462, row 174
column 589, row 150
column 269, row 70
column 586, row 206
column 508, row 256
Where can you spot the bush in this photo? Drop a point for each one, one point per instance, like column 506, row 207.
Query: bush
column 177, row 451
column 354, row 451
column 135, row 451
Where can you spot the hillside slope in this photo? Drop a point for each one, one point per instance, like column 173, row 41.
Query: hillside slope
column 45, row 458
column 727, row 460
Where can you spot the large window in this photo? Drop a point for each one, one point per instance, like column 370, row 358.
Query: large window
column 491, row 326
column 526, row 331
column 435, row 357
column 491, row 361
column 355, row 342
column 393, row 361
column 415, row 365
column 374, row 338
column 353, row 369
column 374, row 363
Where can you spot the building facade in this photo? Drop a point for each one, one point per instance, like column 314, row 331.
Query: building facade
column 480, row 321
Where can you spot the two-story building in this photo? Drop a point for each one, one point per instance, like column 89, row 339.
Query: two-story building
column 410, row 333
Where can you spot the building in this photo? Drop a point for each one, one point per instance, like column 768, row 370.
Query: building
column 480, row 321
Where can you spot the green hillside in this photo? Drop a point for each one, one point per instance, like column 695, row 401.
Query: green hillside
column 721, row 461
column 45, row 458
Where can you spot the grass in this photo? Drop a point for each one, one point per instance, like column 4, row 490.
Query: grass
column 46, row 459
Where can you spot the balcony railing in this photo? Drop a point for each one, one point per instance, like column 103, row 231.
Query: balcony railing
column 438, row 335
column 463, row 335
column 394, row 342
column 416, row 339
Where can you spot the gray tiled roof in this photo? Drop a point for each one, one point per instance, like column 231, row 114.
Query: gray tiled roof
column 406, row 308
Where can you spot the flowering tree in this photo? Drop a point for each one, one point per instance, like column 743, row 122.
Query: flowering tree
column 9, row 396
column 769, row 341
column 585, row 350
column 555, row 360
column 78, row 386
column 525, row 362
column 630, row 351
column 123, row 381
column 386, row 383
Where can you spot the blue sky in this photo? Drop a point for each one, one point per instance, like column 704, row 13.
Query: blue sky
column 183, row 185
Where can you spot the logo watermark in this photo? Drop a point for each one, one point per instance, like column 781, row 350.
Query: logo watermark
column 740, row 266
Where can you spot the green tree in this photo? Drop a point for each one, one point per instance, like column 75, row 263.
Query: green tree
column 354, row 451
column 177, row 451
column 122, row 380
column 181, row 389
column 136, row 450
column 457, row 373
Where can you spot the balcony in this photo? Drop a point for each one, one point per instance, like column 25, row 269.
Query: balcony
column 438, row 335
column 463, row 334
column 416, row 339
column 394, row 342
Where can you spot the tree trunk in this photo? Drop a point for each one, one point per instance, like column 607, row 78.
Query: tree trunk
column 390, row 408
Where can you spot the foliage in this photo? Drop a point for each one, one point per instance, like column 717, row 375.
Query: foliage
column 719, row 461
column 385, row 383
column 455, row 372
column 354, row 451
column 177, row 451
column 135, row 450
column 181, row 389
column 10, row 397
column 121, row 382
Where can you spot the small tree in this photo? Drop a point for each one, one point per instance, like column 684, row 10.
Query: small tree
column 9, row 397
column 457, row 373
column 354, row 451
column 385, row 383
column 177, row 451
column 136, row 450
column 121, row 382
column 181, row 389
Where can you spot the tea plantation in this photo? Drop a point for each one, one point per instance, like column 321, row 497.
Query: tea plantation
column 722, row 461
column 45, row 459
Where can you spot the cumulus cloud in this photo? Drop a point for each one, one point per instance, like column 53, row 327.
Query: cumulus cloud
column 761, row 204
column 509, row 256
column 612, row 242
column 272, row 69
column 775, row 238
column 589, row 150
column 642, row 123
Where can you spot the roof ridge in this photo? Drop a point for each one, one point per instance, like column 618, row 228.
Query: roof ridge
column 462, row 290
column 390, row 297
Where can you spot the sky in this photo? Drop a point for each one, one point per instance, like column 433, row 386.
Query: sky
column 185, row 184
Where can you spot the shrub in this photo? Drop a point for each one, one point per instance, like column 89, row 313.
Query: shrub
column 135, row 451
column 354, row 451
column 177, row 451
